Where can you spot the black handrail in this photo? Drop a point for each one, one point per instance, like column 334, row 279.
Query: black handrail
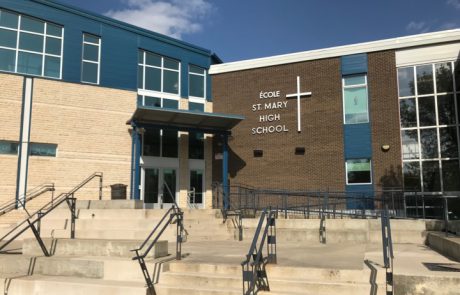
column 37, row 216
column 173, row 214
column 29, row 196
column 387, row 246
column 253, row 267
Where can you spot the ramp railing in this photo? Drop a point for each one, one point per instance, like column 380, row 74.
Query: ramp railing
column 33, row 221
column 387, row 246
column 171, row 216
column 253, row 267
column 29, row 196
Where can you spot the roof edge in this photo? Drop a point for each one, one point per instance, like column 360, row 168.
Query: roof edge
column 123, row 25
column 372, row 46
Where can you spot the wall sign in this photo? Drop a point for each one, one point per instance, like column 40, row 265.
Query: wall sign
column 270, row 122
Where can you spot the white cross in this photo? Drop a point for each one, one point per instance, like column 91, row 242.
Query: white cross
column 298, row 95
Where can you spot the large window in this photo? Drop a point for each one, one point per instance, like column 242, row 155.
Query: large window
column 91, row 59
column 197, row 82
column 30, row 46
column 355, row 99
column 429, row 100
column 160, row 143
column 358, row 171
column 158, row 76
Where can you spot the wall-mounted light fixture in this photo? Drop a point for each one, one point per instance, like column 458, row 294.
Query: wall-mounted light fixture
column 385, row 147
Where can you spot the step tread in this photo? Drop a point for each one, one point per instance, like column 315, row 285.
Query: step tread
column 85, row 281
column 172, row 287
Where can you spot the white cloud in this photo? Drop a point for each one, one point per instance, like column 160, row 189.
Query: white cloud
column 449, row 26
column 418, row 27
column 170, row 17
column 454, row 3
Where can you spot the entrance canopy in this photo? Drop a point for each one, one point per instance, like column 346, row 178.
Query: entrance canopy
column 184, row 119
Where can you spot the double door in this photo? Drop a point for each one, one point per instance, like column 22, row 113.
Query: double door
column 160, row 187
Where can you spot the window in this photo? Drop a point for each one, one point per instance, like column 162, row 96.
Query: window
column 359, row 171
column 197, row 81
column 157, row 102
column 158, row 77
column 428, row 108
column 91, row 59
column 160, row 143
column 8, row 147
column 43, row 149
column 355, row 99
column 30, row 46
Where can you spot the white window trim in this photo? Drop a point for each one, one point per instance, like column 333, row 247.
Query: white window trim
column 99, row 45
column 350, row 87
column 43, row 53
column 346, row 171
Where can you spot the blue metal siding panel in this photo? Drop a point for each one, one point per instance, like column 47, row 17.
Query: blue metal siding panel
column 119, row 46
column 354, row 64
column 357, row 141
column 364, row 190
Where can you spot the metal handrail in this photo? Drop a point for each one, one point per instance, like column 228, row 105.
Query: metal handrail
column 37, row 216
column 387, row 247
column 253, row 267
column 29, row 196
column 173, row 214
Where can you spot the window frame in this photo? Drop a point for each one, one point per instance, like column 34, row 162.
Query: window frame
column 192, row 98
column 437, row 126
column 160, row 94
column 370, row 171
column 83, row 60
column 351, row 87
column 43, row 54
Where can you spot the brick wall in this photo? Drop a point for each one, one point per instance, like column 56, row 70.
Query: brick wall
column 10, row 118
column 322, row 166
column 88, row 123
column 384, row 108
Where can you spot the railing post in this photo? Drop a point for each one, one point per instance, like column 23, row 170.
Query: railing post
column 285, row 206
column 72, row 217
column 100, row 186
column 179, row 231
column 39, row 221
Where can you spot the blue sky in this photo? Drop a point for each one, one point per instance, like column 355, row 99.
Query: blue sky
column 244, row 29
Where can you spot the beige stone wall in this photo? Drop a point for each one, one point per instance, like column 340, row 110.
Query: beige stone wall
column 88, row 123
column 10, row 118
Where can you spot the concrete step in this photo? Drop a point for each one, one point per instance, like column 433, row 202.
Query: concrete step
column 132, row 224
column 58, row 285
column 131, row 213
column 312, row 235
column 91, row 247
column 178, row 290
column 107, row 268
column 113, row 234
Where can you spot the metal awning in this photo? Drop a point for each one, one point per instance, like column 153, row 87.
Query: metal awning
column 184, row 119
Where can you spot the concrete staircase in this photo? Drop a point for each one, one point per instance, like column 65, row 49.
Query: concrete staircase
column 99, row 260
column 225, row 279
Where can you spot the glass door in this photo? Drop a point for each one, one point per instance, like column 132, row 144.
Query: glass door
column 159, row 187
column 196, row 191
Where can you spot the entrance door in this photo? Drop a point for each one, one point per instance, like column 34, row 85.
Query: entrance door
column 196, row 191
column 159, row 187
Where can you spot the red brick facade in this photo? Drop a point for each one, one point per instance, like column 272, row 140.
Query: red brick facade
column 322, row 166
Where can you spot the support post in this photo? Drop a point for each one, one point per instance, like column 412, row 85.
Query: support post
column 71, row 202
column 137, row 169
column 225, row 186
